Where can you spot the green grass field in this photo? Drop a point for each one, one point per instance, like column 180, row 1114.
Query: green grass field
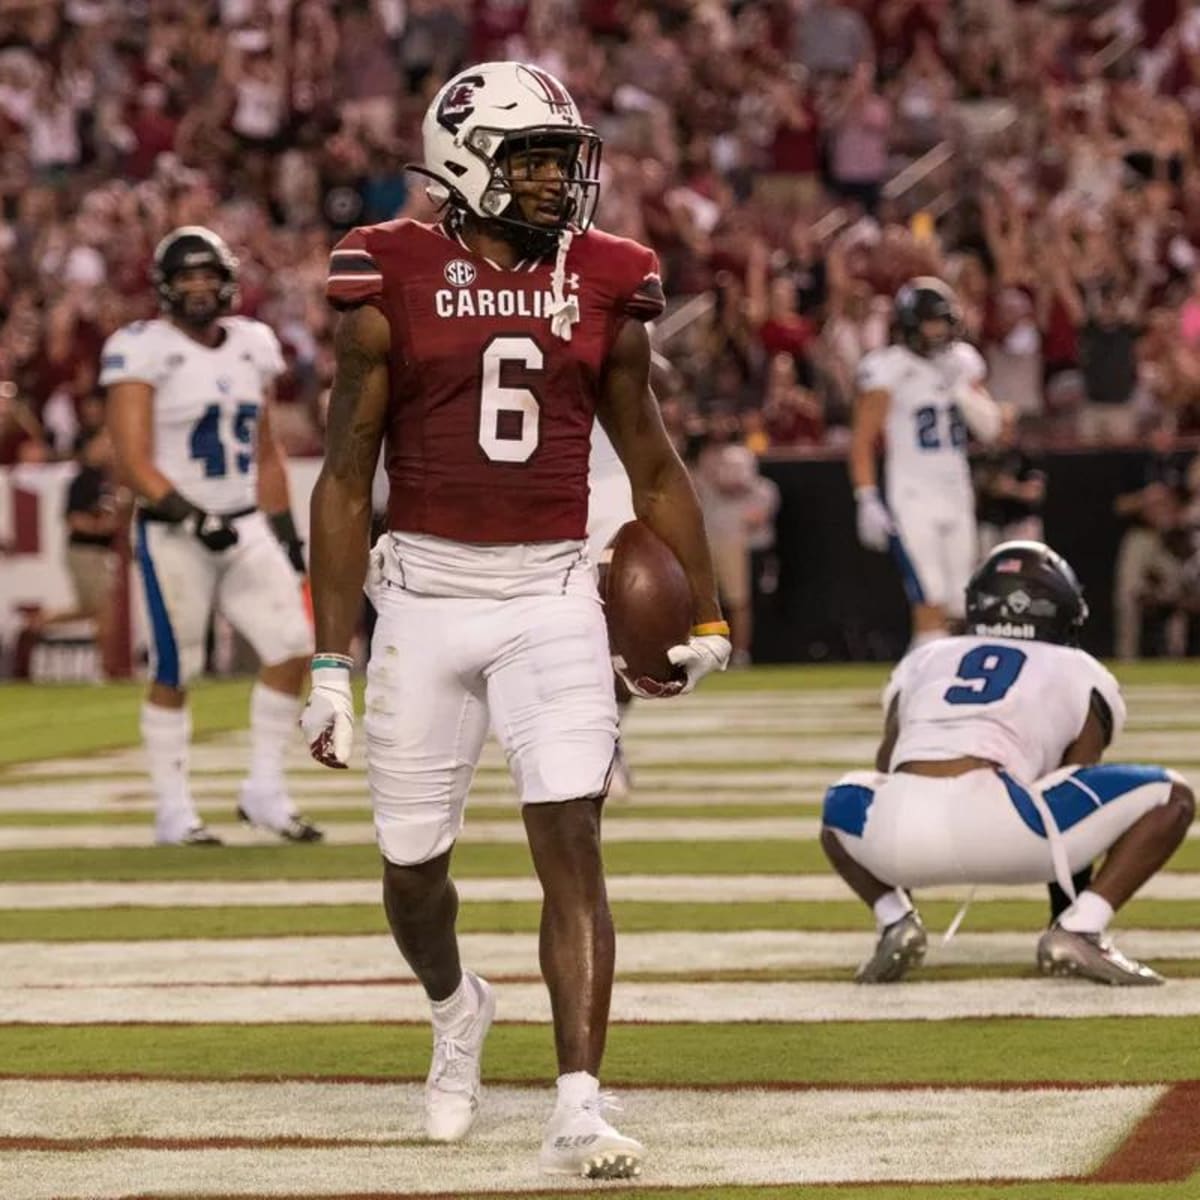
column 76, row 918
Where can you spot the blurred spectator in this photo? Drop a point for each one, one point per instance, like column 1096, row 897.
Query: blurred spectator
column 1010, row 488
column 1156, row 512
column 861, row 121
column 21, row 437
column 1108, row 333
column 739, row 507
column 792, row 414
column 1170, row 596
column 743, row 142
column 834, row 39
column 94, row 516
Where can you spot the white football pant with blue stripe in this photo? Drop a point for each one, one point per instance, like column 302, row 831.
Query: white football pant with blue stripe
column 915, row 831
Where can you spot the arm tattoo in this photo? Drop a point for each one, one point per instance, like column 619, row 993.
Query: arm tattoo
column 352, row 435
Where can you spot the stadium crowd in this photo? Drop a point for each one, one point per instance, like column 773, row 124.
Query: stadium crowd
column 751, row 144
column 792, row 161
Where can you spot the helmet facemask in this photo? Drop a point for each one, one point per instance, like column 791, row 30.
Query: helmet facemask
column 511, row 157
column 489, row 139
column 921, row 300
column 191, row 249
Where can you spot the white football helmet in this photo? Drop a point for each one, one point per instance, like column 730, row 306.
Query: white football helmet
column 494, row 109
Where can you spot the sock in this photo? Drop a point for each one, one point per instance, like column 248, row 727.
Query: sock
column 167, row 736
column 273, row 717
column 457, row 1008
column 576, row 1088
column 1090, row 913
column 1060, row 901
column 890, row 907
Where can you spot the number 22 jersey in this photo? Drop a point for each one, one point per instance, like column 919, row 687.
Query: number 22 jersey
column 1017, row 702
column 925, row 432
column 490, row 413
column 206, row 403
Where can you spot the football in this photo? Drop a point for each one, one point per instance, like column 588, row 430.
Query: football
column 647, row 601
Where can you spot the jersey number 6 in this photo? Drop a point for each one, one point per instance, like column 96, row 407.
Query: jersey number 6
column 508, row 416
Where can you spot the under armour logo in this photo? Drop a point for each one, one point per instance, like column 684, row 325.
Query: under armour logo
column 573, row 281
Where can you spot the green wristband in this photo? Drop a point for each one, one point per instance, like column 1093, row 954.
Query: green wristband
column 323, row 661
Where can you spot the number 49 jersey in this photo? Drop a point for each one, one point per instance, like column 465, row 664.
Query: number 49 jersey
column 1017, row 702
column 490, row 413
column 926, row 433
column 206, row 403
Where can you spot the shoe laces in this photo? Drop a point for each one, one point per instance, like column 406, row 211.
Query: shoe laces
column 452, row 1066
column 603, row 1103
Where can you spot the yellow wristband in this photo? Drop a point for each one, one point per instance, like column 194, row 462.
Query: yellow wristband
column 708, row 628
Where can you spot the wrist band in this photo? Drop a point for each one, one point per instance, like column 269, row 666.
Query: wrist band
column 322, row 661
column 708, row 628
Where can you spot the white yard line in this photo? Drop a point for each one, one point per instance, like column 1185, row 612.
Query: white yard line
column 361, row 959
column 681, row 888
column 638, row 1002
column 475, row 832
column 693, row 1138
column 351, row 797
column 717, row 889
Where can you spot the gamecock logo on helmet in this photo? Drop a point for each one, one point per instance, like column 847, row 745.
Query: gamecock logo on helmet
column 459, row 103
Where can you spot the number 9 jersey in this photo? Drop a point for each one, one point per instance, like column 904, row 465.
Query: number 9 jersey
column 206, row 403
column 490, row 411
column 1015, row 701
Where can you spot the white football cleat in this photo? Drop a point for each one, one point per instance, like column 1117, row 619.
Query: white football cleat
column 275, row 812
column 579, row 1141
column 452, row 1086
column 182, row 827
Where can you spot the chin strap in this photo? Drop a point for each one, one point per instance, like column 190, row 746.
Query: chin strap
column 564, row 310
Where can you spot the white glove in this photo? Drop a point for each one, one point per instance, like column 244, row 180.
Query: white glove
column 697, row 656
column 328, row 717
column 875, row 527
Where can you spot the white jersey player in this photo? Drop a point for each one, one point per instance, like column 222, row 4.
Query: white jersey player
column 188, row 409
column 989, row 773
column 922, row 394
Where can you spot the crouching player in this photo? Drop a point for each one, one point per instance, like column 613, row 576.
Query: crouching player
column 989, row 772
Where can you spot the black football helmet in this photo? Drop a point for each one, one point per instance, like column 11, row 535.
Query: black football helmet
column 1026, row 590
column 925, row 298
column 183, row 249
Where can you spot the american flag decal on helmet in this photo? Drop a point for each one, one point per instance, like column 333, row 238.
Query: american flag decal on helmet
column 1008, row 566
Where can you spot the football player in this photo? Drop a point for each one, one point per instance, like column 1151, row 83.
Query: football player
column 922, row 394
column 189, row 410
column 481, row 348
column 989, row 772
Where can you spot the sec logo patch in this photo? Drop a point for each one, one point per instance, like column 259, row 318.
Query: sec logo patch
column 460, row 273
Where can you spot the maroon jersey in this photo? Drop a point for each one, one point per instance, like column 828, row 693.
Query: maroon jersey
column 490, row 413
